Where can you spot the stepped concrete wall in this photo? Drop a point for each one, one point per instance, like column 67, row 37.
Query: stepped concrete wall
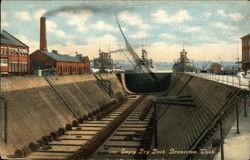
column 180, row 126
column 35, row 109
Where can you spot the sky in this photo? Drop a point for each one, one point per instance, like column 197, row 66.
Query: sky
column 209, row 30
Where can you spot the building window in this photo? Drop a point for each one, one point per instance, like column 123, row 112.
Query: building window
column 3, row 62
column 23, row 52
column 23, row 66
column 13, row 67
column 4, row 50
column 16, row 67
column 13, row 51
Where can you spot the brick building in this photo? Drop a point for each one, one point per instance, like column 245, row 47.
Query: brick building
column 216, row 68
column 14, row 56
column 55, row 62
column 245, row 52
column 59, row 63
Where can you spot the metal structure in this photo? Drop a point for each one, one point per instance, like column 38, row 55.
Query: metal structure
column 141, row 66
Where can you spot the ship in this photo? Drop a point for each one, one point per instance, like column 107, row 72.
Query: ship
column 104, row 63
column 183, row 64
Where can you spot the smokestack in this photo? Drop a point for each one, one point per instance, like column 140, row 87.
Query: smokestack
column 43, row 39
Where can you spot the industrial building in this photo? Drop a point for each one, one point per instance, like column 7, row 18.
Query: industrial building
column 55, row 63
column 14, row 56
column 103, row 62
column 245, row 52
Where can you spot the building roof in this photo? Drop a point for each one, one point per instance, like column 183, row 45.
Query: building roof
column 60, row 57
column 248, row 35
column 7, row 38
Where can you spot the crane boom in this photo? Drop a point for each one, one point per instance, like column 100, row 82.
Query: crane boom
column 136, row 58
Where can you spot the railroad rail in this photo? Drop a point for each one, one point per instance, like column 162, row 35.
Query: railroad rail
column 111, row 127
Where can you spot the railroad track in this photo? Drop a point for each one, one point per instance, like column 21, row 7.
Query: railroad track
column 91, row 138
column 133, row 136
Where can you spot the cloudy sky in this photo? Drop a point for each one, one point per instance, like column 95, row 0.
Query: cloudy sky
column 210, row 30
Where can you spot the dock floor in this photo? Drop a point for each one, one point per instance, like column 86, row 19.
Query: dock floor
column 237, row 146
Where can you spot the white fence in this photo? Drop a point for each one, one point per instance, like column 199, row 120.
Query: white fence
column 232, row 80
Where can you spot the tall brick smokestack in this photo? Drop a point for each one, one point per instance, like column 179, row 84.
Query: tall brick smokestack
column 43, row 39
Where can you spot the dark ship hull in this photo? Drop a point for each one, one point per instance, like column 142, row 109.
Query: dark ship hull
column 180, row 67
column 183, row 64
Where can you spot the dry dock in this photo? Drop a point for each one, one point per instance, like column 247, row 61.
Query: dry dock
column 100, row 116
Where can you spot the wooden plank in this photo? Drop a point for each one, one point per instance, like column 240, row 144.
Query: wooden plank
column 130, row 129
column 67, row 142
column 92, row 125
column 97, row 122
column 87, row 128
column 73, row 137
column 123, row 138
column 138, row 125
column 61, row 149
column 81, row 132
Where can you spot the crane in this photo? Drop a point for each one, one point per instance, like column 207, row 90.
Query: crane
column 140, row 67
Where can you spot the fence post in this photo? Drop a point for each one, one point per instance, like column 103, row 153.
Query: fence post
column 245, row 104
column 155, row 127
column 222, row 140
column 227, row 79
column 5, row 122
column 237, row 118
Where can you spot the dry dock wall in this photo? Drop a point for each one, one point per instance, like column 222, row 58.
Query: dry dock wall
column 179, row 127
column 35, row 109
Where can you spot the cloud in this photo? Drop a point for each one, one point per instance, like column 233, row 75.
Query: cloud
column 52, row 27
column 167, row 36
column 161, row 16
column 3, row 15
column 105, row 39
column 101, row 25
column 192, row 29
column 139, row 35
column 33, row 45
column 208, row 51
column 235, row 38
column 207, row 14
column 232, row 16
column 23, row 15
column 78, row 19
column 90, row 48
column 4, row 24
column 39, row 13
column 133, row 19
column 223, row 26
